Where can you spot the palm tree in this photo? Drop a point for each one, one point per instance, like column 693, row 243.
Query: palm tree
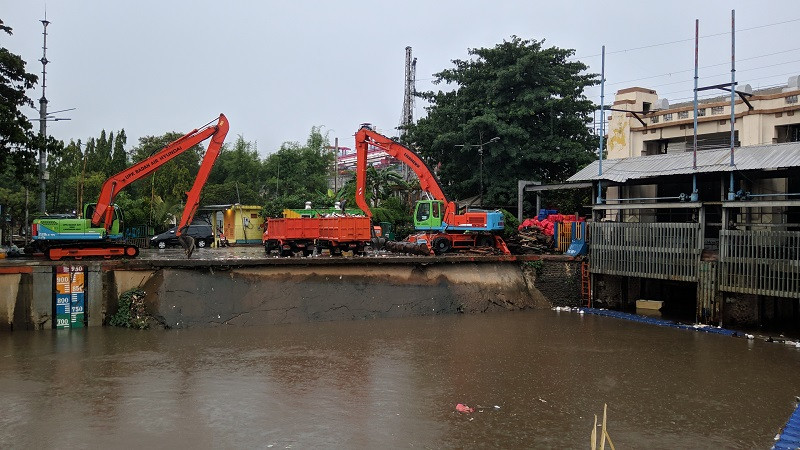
column 163, row 212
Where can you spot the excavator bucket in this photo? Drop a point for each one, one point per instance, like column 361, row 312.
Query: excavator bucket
column 187, row 242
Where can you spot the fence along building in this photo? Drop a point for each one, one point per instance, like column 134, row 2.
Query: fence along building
column 738, row 255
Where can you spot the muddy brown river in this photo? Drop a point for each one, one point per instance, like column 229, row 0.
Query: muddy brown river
column 536, row 379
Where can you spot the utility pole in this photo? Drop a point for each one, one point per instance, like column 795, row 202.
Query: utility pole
column 43, row 125
column 481, row 144
column 336, row 166
column 408, row 99
column 408, row 92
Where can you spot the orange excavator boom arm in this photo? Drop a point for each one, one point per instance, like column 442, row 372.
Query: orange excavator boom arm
column 366, row 137
column 104, row 211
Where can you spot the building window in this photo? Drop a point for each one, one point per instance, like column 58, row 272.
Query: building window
column 654, row 119
column 787, row 133
column 667, row 117
column 701, row 112
column 791, row 99
column 717, row 110
column 683, row 115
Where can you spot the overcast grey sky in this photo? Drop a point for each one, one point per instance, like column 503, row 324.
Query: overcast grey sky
column 278, row 68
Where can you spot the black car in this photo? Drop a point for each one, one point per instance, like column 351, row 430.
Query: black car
column 200, row 232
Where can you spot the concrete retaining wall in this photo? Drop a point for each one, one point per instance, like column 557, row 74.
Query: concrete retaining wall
column 194, row 294
column 557, row 280
column 272, row 295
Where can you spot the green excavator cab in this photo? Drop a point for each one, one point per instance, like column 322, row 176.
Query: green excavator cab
column 428, row 215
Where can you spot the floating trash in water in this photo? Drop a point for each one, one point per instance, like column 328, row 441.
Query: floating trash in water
column 462, row 408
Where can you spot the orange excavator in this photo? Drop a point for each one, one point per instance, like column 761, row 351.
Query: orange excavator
column 100, row 231
column 441, row 229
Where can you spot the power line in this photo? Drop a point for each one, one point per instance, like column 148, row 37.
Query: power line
column 725, row 33
column 702, row 67
column 727, row 73
column 712, row 95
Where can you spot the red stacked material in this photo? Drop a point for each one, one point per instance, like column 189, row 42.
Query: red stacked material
column 547, row 225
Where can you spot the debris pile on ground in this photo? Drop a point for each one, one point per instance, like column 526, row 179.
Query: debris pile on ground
column 530, row 240
column 482, row 251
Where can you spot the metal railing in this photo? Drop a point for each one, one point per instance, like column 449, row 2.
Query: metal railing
column 760, row 262
column 668, row 251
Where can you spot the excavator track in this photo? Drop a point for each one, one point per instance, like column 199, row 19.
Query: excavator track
column 80, row 251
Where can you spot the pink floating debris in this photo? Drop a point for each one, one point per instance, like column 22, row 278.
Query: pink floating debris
column 462, row 408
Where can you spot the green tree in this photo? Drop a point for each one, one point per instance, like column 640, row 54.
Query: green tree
column 99, row 154
column 239, row 163
column 296, row 174
column 65, row 169
column 390, row 198
column 174, row 178
column 14, row 197
column 119, row 158
column 381, row 185
column 231, row 192
column 15, row 129
column 530, row 97
column 89, row 153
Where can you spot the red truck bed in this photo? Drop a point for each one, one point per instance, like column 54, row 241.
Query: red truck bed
column 344, row 229
column 292, row 228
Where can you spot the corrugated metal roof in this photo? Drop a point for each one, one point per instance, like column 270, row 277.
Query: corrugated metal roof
column 774, row 156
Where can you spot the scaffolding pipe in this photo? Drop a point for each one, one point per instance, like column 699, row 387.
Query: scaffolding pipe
column 733, row 93
column 694, row 147
column 678, row 197
column 694, row 197
column 602, row 123
column 774, row 195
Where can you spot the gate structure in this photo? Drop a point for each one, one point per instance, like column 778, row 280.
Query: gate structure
column 669, row 251
column 760, row 262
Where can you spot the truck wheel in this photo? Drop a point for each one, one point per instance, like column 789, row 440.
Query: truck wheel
column 441, row 245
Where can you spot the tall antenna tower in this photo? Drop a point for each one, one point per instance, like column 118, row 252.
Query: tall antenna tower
column 43, row 124
column 408, row 96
